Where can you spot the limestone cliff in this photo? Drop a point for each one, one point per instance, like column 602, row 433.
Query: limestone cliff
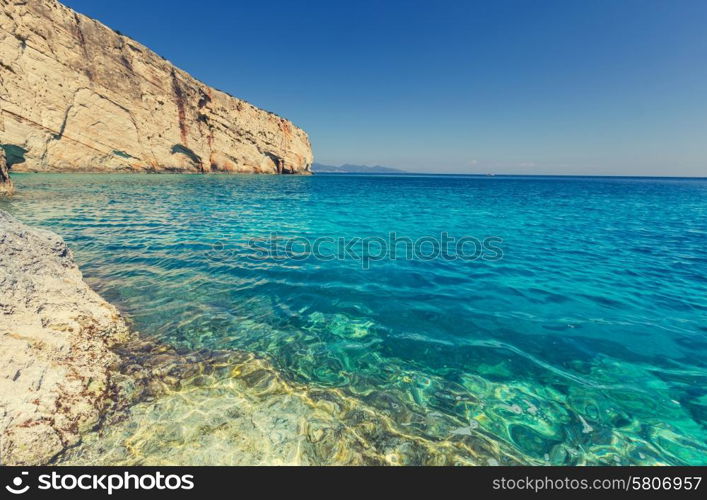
column 78, row 96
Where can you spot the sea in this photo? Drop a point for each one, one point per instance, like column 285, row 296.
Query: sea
column 535, row 320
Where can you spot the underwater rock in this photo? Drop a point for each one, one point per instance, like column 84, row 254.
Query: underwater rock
column 76, row 95
column 235, row 408
column 77, row 387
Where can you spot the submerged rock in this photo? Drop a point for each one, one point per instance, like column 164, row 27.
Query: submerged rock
column 235, row 408
column 77, row 95
column 77, row 388
column 6, row 187
column 55, row 340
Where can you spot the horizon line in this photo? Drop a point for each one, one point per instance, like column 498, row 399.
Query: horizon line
column 373, row 174
column 402, row 172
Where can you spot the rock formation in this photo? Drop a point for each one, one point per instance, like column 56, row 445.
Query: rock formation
column 55, row 340
column 78, row 96
column 6, row 187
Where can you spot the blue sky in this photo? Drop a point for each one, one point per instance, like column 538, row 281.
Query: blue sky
column 526, row 87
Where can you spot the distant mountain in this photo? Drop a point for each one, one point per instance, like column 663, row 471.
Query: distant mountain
column 354, row 169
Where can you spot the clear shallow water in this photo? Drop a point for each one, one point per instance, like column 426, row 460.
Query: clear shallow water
column 585, row 343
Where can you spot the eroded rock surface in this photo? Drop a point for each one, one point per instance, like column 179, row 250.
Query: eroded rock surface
column 55, row 340
column 78, row 96
column 6, row 187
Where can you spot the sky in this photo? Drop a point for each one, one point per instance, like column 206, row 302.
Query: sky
column 572, row 87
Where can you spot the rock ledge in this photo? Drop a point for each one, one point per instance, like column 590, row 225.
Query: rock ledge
column 56, row 336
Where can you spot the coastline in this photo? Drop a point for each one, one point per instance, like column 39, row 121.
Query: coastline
column 56, row 337
column 78, row 385
column 405, row 393
column 107, row 100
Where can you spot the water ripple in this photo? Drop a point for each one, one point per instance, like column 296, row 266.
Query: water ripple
column 585, row 344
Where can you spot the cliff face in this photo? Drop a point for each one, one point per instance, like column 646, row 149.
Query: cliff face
column 76, row 95
column 6, row 187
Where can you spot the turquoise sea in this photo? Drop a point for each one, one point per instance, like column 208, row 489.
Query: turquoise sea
column 580, row 339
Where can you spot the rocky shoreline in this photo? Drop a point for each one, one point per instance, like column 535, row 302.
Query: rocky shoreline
column 77, row 387
column 56, row 336
column 68, row 360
